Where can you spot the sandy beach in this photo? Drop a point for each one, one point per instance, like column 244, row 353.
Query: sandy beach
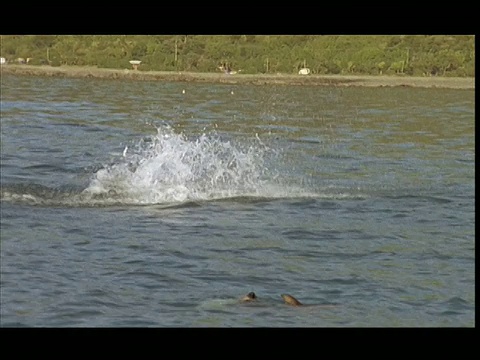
column 257, row 79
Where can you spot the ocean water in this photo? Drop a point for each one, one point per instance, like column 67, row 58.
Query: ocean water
column 153, row 204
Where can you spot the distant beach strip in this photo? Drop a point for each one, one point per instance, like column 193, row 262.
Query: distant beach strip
column 252, row 79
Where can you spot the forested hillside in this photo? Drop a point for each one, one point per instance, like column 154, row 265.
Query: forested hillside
column 438, row 55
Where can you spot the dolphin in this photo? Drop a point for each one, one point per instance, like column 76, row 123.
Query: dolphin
column 249, row 297
column 290, row 300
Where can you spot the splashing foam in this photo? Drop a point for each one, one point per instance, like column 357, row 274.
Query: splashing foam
column 171, row 168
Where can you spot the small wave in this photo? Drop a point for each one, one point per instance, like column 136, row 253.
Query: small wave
column 61, row 198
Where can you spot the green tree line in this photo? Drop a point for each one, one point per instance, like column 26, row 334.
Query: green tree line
column 432, row 55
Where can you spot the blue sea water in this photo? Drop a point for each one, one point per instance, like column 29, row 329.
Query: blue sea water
column 161, row 204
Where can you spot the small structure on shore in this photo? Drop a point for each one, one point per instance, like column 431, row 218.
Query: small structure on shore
column 135, row 64
column 304, row 71
column 225, row 67
column 23, row 61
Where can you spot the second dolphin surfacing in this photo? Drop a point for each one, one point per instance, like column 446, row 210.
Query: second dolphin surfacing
column 290, row 300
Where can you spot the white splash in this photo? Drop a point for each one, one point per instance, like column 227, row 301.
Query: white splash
column 170, row 167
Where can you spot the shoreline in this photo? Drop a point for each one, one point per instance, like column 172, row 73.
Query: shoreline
column 251, row 79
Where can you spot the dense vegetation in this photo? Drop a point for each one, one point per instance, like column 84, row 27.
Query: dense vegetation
column 440, row 55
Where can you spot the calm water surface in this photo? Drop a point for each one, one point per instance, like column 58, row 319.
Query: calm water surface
column 161, row 204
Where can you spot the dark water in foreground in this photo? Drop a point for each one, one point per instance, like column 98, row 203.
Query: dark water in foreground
column 135, row 204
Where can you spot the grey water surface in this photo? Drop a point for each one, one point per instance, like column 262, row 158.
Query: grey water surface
column 133, row 204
